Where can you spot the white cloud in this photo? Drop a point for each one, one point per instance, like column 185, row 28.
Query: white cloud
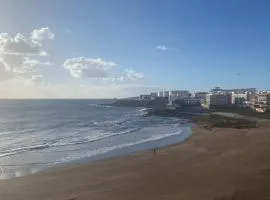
column 21, row 83
column 133, row 75
column 120, row 78
column 33, row 62
column 48, row 63
column 21, row 64
column 12, row 61
column 164, row 48
column 19, row 56
column 5, row 73
column 42, row 34
column 17, row 64
column 30, row 62
column 88, row 67
column 37, row 79
column 19, row 45
column 43, row 53
column 21, row 61
column 113, row 79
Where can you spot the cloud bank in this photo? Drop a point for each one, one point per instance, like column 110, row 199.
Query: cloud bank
column 133, row 75
column 42, row 34
column 23, row 60
column 20, row 55
column 88, row 67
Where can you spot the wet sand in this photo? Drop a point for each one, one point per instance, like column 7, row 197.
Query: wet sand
column 220, row 164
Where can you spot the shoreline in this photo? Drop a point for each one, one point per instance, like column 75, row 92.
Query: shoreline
column 106, row 157
column 222, row 162
column 185, row 132
column 118, row 153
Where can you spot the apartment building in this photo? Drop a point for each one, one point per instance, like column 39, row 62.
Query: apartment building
column 179, row 94
column 251, row 97
column 236, row 90
column 160, row 93
column 239, row 98
column 166, row 94
column 154, row 95
column 240, row 90
column 218, row 99
column 163, row 93
column 261, row 99
column 191, row 101
column 201, row 96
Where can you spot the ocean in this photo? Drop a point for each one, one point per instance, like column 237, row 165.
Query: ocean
column 37, row 135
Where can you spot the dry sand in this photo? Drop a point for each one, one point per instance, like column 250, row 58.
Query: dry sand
column 218, row 164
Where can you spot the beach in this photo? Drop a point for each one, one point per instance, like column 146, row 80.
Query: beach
column 222, row 163
column 64, row 132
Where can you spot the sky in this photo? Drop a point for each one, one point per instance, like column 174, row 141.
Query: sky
column 121, row 48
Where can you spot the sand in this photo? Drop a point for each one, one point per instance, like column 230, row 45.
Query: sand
column 218, row 164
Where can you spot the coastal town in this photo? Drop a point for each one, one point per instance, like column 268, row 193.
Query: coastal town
column 135, row 100
column 251, row 98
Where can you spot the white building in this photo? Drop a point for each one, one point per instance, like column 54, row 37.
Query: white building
column 163, row 93
column 219, row 90
column 241, row 90
column 201, row 96
column 237, row 98
column 179, row 94
column 218, row 99
column 191, row 101
column 262, row 99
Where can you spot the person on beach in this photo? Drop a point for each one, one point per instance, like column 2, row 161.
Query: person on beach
column 154, row 151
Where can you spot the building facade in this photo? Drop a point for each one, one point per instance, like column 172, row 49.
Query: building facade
column 154, row 95
column 218, row 99
column 160, row 93
column 191, row 101
column 239, row 98
column 241, row 90
column 179, row 94
column 236, row 90
column 166, row 94
column 251, row 97
column 202, row 96
column 216, row 90
column 261, row 99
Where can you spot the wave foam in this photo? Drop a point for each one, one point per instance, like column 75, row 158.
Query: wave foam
column 120, row 146
column 94, row 138
column 100, row 105
column 23, row 149
column 59, row 143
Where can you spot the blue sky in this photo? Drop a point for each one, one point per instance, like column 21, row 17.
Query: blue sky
column 191, row 45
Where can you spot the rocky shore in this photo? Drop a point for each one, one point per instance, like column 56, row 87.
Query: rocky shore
column 204, row 118
column 197, row 114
